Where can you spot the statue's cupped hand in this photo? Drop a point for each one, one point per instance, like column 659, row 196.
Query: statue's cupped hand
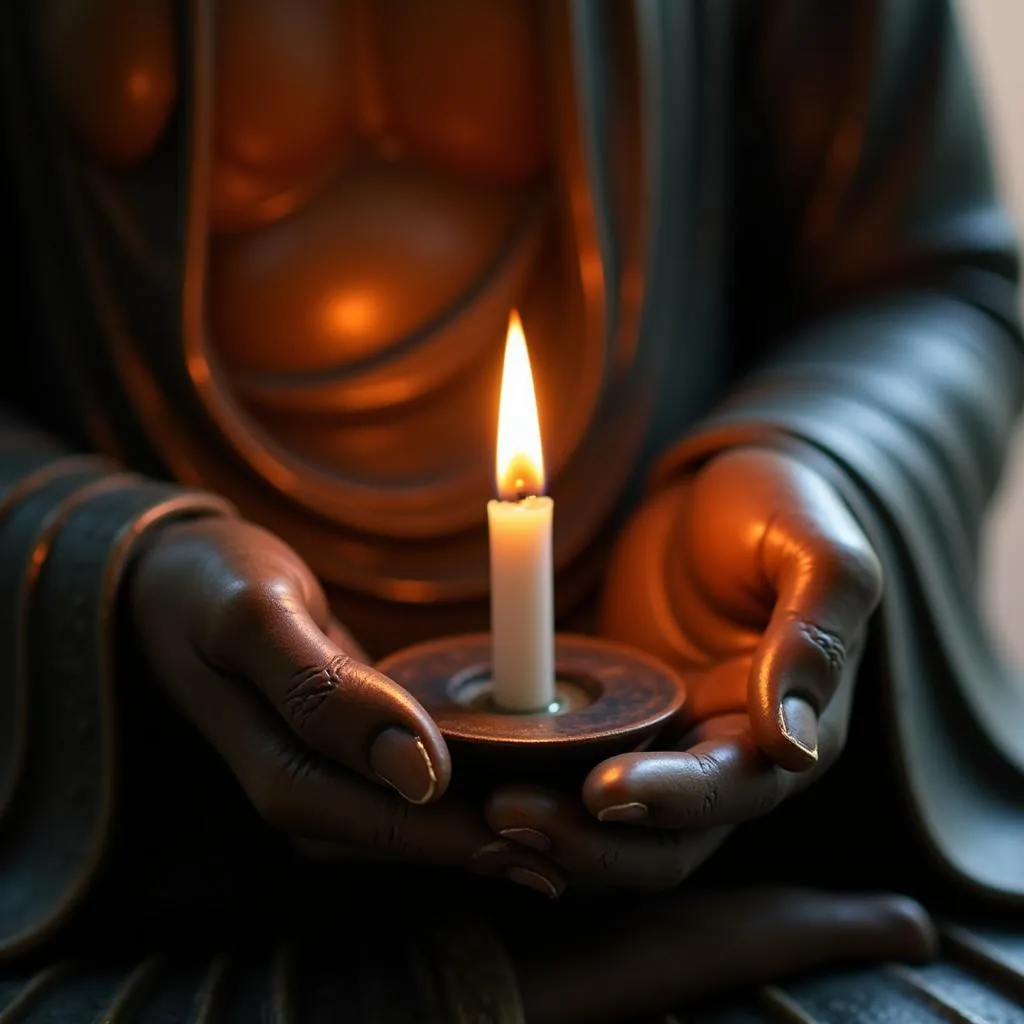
column 756, row 582
column 237, row 629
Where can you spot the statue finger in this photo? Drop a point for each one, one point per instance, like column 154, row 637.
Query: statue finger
column 723, row 779
column 594, row 853
column 337, row 704
column 828, row 582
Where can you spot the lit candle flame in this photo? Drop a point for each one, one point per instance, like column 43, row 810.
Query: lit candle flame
column 520, row 462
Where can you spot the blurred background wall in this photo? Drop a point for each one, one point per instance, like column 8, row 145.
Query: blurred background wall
column 996, row 31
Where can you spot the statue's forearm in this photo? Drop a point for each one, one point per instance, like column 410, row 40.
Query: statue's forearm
column 915, row 395
column 69, row 525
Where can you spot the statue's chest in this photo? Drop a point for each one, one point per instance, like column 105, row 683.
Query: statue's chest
column 457, row 85
column 372, row 186
column 373, row 163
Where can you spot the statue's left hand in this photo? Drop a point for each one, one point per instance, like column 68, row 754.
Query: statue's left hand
column 754, row 579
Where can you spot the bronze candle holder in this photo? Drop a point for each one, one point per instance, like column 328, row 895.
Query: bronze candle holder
column 609, row 699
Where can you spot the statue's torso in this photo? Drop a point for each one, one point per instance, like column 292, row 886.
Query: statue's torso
column 372, row 165
column 381, row 183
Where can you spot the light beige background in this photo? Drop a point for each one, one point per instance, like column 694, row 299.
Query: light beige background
column 996, row 29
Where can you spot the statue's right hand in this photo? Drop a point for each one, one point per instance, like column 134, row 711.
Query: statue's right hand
column 237, row 629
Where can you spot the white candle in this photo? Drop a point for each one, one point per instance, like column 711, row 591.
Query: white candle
column 522, row 571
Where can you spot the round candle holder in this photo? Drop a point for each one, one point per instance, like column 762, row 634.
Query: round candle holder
column 609, row 699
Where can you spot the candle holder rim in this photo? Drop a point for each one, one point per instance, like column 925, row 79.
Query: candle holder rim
column 624, row 707
column 565, row 638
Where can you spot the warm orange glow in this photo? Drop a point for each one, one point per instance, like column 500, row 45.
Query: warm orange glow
column 520, row 463
column 354, row 311
column 140, row 85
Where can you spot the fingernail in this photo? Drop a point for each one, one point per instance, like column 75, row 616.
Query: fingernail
column 400, row 759
column 533, row 880
column 800, row 725
column 527, row 837
column 623, row 812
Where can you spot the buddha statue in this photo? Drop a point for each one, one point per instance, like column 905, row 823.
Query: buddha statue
column 265, row 252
